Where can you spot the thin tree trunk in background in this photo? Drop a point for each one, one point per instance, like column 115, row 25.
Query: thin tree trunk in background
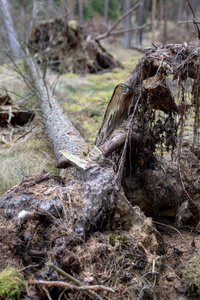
column 50, row 9
column 196, row 2
column 158, row 15
column 153, row 21
column 80, row 11
column 165, row 21
column 161, row 17
column 127, row 36
column 179, row 9
column 34, row 13
column 10, row 31
column 64, row 5
column 106, row 5
column 140, row 22
column 146, row 9
column 71, row 9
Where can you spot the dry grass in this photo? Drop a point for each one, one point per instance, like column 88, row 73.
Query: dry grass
column 27, row 156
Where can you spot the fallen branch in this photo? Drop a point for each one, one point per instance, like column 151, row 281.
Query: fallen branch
column 76, row 281
column 194, row 20
column 71, row 286
column 138, row 48
column 24, row 134
column 106, row 34
column 171, row 227
column 129, row 29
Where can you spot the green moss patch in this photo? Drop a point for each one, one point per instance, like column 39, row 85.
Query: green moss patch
column 120, row 241
column 11, row 284
column 191, row 273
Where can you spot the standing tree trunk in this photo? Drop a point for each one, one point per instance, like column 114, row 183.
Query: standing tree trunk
column 140, row 19
column 153, row 21
column 165, row 21
column 50, row 8
column 161, row 18
column 127, row 36
column 106, row 5
column 179, row 9
column 80, row 12
column 71, row 9
column 10, row 31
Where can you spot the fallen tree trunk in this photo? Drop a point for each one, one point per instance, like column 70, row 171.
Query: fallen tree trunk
column 62, row 133
column 97, row 181
column 128, row 138
column 100, row 192
column 129, row 133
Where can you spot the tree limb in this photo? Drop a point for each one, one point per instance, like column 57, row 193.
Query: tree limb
column 71, row 286
column 106, row 34
column 76, row 281
column 129, row 29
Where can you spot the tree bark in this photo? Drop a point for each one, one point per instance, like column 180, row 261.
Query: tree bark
column 165, row 21
column 80, row 11
column 62, row 133
column 140, row 19
column 153, row 21
column 106, row 5
column 50, row 8
column 10, row 31
column 179, row 10
column 71, row 9
column 127, row 36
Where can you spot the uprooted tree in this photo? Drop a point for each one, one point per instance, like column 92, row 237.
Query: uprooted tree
column 68, row 47
column 102, row 188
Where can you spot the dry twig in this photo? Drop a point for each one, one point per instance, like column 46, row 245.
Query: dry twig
column 171, row 227
column 76, row 281
column 106, row 34
column 71, row 286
